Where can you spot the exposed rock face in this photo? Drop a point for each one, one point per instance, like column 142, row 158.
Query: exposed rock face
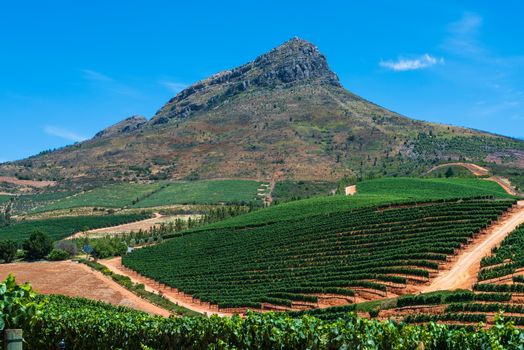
column 294, row 62
column 128, row 125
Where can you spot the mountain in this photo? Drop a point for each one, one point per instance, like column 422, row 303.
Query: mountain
column 286, row 114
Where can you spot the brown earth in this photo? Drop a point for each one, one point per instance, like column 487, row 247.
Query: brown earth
column 475, row 169
column 30, row 183
column 76, row 280
column 115, row 265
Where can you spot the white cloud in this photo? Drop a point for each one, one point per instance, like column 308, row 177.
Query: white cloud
column 64, row 133
column 174, row 86
column 94, row 75
column 404, row 64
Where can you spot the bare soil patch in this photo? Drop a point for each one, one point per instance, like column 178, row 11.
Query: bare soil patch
column 30, row 183
column 77, row 280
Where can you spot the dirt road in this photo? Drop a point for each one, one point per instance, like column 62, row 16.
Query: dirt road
column 186, row 301
column 76, row 280
column 475, row 169
column 463, row 273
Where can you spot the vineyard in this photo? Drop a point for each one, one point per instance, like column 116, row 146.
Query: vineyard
column 386, row 191
column 83, row 324
column 352, row 254
column 500, row 288
column 63, row 227
column 112, row 196
column 204, row 192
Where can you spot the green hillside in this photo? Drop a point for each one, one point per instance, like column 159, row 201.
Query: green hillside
column 286, row 253
column 204, row 192
column 372, row 193
column 63, row 227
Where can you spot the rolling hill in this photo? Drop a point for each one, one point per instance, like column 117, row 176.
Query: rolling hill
column 284, row 114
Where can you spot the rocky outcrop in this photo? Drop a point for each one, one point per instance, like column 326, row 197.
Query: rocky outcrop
column 128, row 125
column 294, row 62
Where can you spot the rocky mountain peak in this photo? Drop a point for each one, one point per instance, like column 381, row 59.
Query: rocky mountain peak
column 296, row 61
column 125, row 126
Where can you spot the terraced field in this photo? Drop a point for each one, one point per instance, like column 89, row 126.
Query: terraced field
column 63, row 227
column 113, row 196
column 365, row 252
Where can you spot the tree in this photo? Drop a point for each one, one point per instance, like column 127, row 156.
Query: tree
column 38, row 246
column 8, row 250
column 449, row 172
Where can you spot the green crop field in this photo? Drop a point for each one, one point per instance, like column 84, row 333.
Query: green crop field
column 4, row 199
column 291, row 190
column 282, row 262
column 63, row 227
column 372, row 193
column 204, row 192
column 28, row 202
column 112, row 196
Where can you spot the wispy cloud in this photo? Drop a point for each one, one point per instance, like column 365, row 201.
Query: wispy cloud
column 404, row 64
column 463, row 35
column 64, row 133
column 96, row 76
column 103, row 81
column 174, row 86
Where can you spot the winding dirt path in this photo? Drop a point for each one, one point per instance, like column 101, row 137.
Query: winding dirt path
column 475, row 169
column 181, row 299
column 463, row 273
column 77, row 280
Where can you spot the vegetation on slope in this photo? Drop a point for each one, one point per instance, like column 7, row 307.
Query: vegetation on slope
column 204, row 192
column 60, row 228
column 288, row 260
column 377, row 192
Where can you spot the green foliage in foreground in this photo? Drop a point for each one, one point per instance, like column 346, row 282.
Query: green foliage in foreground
column 204, row 192
column 63, row 227
column 85, row 324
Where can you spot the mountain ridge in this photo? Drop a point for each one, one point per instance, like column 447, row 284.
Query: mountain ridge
column 286, row 113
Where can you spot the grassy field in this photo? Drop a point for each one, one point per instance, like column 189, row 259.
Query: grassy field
column 27, row 202
column 203, row 192
column 63, row 227
column 372, row 193
column 113, row 196
column 291, row 190
column 457, row 171
column 4, row 199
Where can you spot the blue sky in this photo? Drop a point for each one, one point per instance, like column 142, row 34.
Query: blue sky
column 70, row 68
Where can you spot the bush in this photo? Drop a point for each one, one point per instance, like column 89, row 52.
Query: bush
column 8, row 250
column 58, row 254
column 69, row 246
column 38, row 246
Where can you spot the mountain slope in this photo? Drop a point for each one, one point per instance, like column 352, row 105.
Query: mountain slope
column 285, row 114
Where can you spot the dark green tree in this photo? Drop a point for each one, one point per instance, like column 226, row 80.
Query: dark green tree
column 449, row 172
column 37, row 246
column 8, row 250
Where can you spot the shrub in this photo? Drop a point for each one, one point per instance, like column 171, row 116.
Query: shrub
column 69, row 246
column 38, row 246
column 8, row 250
column 58, row 254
